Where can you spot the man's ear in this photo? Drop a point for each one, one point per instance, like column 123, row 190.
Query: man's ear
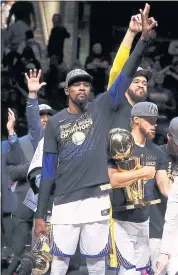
column 67, row 91
column 136, row 120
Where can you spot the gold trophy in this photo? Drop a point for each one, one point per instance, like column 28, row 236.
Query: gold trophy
column 37, row 262
column 120, row 149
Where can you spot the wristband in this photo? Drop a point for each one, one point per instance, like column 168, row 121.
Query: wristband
column 13, row 135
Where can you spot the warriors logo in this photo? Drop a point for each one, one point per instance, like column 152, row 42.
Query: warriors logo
column 78, row 138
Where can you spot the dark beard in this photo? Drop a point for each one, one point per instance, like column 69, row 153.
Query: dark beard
column 146, row 134
column 81, row 104
column 136, row 98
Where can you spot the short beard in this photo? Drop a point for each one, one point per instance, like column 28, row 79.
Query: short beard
column 136, row 98
column 81, row 104
column 146, row 134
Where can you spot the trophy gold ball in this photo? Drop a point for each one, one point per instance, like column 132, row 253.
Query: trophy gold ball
column 120, row 144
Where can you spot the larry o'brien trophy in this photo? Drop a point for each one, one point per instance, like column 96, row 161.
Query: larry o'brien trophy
column 120, row 149
column 37, row 262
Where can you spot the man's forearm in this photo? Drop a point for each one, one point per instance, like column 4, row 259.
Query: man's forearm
column 128, row 38
column 123, row 179
column 36, row 131
column 134, row 60
column 163, row 182
column 121, row 56
column 47, row 180
column 43, row 198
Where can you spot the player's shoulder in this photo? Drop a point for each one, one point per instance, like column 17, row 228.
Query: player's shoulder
column 59, row 117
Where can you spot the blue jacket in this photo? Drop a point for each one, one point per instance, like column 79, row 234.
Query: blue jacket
column 7, row 196
column 36, row 133
column 20, row 154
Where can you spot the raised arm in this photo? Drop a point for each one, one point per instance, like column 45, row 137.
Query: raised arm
column 36, row 131
column 124, row 79
column 15, row 153
column 47, row 178
column 125, row 47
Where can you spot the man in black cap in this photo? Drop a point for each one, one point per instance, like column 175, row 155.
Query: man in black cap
column 131, row 227
column 74, row 155
column 135, row 93
column 157, row 213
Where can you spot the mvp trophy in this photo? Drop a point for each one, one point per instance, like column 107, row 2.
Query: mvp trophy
column 120, row 148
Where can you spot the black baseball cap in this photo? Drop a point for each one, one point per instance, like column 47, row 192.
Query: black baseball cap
column 144, row 109
column 44, row 108
column 144, row 72
column 77, row 75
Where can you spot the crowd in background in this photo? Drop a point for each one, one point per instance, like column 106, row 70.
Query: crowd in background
column 22, row 52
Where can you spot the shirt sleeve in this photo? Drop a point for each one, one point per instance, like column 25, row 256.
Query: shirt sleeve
column 162, row 163
column 12, row 138
column 171, row 220
column 119, row 61
column 50, row 142
column 15, row 154
column 47, row 180
column 49, row 165
column 36, row 131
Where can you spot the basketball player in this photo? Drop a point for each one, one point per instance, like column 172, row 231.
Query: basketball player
column 131, row 227
column 75, row 159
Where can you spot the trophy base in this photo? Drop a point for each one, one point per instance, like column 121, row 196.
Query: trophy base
column 135, row 206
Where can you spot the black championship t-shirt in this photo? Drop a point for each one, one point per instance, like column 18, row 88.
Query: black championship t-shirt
column 157, row 211
column 80, row 142
column 152, row 155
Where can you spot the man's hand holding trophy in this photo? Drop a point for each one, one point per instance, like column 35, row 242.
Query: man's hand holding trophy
column 120, row 150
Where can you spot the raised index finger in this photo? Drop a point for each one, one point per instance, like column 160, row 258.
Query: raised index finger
column 147, row 10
